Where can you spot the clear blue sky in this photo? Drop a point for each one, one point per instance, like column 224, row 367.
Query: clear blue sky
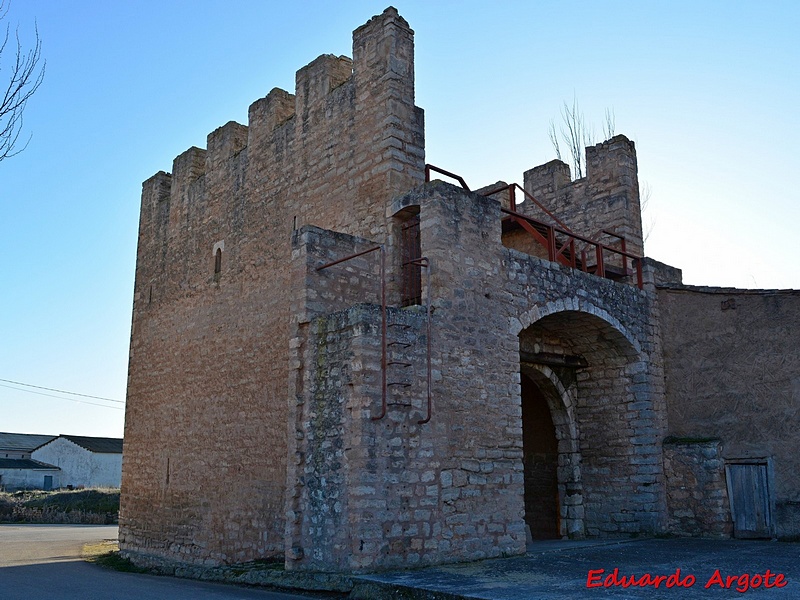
column 708, row 90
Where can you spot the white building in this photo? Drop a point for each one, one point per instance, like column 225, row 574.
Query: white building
column 24, row 474
column 18, row 470
column 83, row 461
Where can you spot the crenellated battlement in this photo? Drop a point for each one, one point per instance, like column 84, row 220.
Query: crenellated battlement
column 273, row 110
column 223, row 143
column 607, row 198
column 346, row 142
column 213, row 270
column 314, row 84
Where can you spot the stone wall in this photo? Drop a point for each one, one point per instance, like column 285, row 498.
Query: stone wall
column 404, row 492
column 610, row 415
column 733, row 373
column 209, row 346
column 255, row 422
column 341, row 514
column 697, row 497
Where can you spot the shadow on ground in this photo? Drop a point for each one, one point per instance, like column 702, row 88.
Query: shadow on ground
column 561, row 569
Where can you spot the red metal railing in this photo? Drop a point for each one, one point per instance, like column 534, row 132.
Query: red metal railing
column 512, row 198
column 458, row 178
column 563, row 245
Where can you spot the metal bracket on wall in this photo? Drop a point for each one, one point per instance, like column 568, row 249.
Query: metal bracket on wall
column 424, row 263
column 382, row 250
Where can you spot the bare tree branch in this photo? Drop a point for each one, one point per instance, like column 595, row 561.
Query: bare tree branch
column 26, row 72
column 610, row 125
column 577, row 134
column 554, row 138
column 645, row 194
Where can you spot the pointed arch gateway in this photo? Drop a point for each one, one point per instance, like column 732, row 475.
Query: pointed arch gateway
column 579, row 384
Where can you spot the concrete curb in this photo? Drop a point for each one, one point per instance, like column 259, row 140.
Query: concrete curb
column 356, row 587
column 255, row 574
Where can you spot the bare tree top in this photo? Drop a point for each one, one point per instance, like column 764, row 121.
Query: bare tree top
column 21, row 74
column 576, row 134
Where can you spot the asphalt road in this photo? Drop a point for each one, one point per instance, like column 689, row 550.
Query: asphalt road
column 42, row 562
column 597, row 569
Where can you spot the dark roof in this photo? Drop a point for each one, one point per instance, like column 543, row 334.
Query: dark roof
column 23, row 442
column 25, row 463
column 96, row 444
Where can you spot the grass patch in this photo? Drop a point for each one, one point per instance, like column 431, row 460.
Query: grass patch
column 92, row 551
column 106, row 554
column 113, row 560
column 90, row 506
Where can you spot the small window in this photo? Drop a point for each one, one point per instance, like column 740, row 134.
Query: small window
column 218, row 261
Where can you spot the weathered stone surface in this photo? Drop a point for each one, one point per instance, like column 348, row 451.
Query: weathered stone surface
column 696, row 491
column 290, row 399
column 452, row 489
column 206, row 450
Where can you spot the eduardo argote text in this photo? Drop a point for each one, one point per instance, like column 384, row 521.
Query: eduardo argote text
column 600, row 578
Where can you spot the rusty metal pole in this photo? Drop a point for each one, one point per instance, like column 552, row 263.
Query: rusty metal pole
column 384, row 384
column 427, row 264
column 382, row 249
column 639, row 273
column 624, row 257
column 601, row 268
column 551, row 244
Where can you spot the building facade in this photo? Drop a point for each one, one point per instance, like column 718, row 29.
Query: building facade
column 339, row 365
column 83, row 461
column 46, row 462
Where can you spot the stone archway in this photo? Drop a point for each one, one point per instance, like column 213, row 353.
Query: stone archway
column 592, row 378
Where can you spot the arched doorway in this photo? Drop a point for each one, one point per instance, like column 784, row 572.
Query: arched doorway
column 540, row 463
column 593, row 379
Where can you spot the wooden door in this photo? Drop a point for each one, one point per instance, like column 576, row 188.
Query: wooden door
column 749, row 494
column 540, row 463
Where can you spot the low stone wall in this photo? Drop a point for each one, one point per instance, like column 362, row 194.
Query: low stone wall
column 697, row 497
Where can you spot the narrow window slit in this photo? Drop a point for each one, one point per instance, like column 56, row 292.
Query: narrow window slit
column 218, row 261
